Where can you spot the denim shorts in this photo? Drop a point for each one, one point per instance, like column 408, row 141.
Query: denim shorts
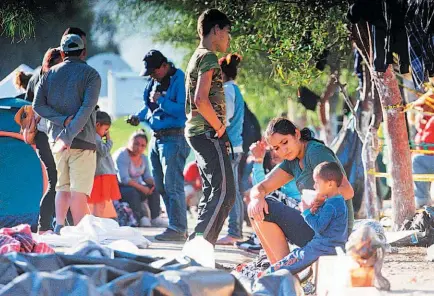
column 290, row 220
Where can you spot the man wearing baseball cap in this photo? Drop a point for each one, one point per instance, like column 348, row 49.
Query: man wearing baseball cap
column 164, row 112
column 67, row 96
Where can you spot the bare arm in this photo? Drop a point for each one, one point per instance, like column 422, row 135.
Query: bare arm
column 273, row 181
column 346, row 189
column 202, row 102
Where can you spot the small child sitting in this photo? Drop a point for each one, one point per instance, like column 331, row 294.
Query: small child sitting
column 105, row 186
column 329, row 221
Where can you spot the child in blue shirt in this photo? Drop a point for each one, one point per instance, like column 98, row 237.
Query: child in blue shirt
column 329, row 221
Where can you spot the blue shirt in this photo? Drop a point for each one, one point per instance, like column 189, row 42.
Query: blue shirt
column 235, row 113
column 290, row 188
column 169, row 110
column 330, row 224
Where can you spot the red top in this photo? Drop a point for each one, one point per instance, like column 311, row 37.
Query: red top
column 192, row 175
column 426, row 135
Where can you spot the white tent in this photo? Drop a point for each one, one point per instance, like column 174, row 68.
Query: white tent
column 105, row 62
column 7, row 88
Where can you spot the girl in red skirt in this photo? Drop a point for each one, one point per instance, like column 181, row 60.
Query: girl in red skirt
column 105, row 185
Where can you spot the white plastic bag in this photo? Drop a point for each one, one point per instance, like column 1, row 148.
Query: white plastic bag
column 201, row 250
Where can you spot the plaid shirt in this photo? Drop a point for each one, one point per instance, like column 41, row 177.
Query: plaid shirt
column 19, row 239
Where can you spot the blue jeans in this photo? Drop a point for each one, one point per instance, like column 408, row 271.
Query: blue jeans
column 236, row 215
column 422, row 164
column 168, row 156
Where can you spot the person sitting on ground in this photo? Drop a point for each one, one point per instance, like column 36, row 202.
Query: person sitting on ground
column 105, row 185
column 424, row 163
column 21, row 81
column 264, row 161
column 329, row 221
column 273, row 221
column 192, row 186
column 136, row 182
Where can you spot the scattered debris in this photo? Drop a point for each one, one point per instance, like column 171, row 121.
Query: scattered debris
column 368, row 250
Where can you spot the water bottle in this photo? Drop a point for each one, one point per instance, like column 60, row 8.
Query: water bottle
column 200, row 250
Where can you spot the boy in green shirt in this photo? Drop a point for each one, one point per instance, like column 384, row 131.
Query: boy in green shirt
column 205, row 129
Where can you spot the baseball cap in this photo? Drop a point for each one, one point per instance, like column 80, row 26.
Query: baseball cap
column 152, row 60
column 71, row 42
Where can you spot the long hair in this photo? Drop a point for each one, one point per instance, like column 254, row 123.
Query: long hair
column 51, row 58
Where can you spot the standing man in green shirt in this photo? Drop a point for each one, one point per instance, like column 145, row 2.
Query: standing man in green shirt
column 205, row 127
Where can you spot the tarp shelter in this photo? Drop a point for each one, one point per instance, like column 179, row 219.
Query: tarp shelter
column 23, row 177
column 7, row 88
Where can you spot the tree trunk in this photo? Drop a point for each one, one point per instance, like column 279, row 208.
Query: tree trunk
column 324, row 109
column 371, row 117
column 403, row 204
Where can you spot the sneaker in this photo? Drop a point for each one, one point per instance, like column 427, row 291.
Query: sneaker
column 251, row 242
column 171, row 235
column 160, row 222
column 145, row 222
column 248, row 270
column 252, row 269
column 309, row 288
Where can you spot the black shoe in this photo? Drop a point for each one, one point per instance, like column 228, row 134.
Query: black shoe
column 171, row 235
column 251, row 243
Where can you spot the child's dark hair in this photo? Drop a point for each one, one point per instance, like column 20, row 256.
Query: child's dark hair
column 284, row 126
column 209, row 19
column 229, row 65
column 103, row 118
column 141, row 133
column 329, row 171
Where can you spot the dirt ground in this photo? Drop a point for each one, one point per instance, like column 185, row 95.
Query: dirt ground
column 409, row 273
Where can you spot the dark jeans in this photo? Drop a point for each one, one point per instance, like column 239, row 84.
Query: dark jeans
column 218, row 184
column 47, row 207
column 290, row 220
column 135, row 198
column 168, row 156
